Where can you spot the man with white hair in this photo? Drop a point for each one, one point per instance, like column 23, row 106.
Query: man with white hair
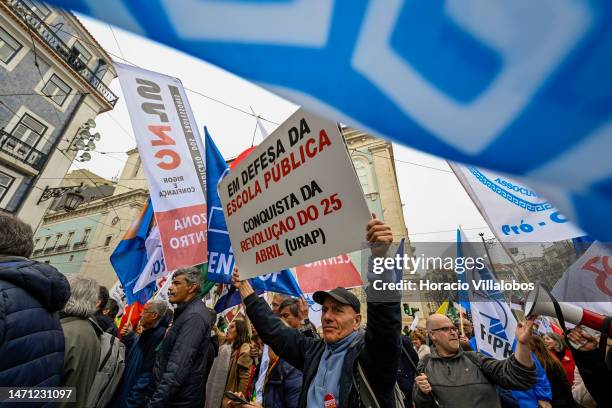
column 451, row 377
column 141, row 352
column 181, row 362
column 82, row 353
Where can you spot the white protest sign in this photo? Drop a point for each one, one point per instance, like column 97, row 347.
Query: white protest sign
column 295, row 199
column 513, row 211
column 172, row 155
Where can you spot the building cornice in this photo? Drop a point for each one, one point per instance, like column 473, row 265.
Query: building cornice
column 98, row 206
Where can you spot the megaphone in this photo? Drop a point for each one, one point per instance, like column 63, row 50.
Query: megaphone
column 541, row 302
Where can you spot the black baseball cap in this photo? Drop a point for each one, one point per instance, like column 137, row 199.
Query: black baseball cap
column 339, row 294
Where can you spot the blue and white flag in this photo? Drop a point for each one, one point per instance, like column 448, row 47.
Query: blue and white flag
column 520, row 87
column 130, row 256
column 513, row 210
column 494, row 324
column 220, row 254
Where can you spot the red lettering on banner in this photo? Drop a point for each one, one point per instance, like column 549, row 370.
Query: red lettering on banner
column 247, row 195
column 268, row 253
column 602, row 274
column 175, row 159
column 159, row 131
column 185, row 245
column 306, row 151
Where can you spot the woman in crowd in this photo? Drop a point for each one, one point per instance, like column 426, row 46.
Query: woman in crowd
column 217, row 378
column 418, row 341
column 241, row 363
column 561, row 390
column 556, row 344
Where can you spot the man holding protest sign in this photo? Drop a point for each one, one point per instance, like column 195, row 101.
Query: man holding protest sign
column 347, row 349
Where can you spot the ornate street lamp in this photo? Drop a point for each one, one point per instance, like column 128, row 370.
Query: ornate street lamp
column 74, row 198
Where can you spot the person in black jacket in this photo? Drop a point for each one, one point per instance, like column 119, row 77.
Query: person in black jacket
column 31, row 294
column 179, row 367
column 407, row 370
column 102, row 316
column 328, row 364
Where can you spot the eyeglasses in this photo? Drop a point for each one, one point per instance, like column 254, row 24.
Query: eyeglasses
column 446, row 329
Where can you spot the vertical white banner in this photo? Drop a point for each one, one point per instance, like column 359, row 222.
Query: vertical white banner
column 172, row 155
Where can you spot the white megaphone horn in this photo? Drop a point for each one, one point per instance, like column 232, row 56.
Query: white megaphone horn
column 541, row 302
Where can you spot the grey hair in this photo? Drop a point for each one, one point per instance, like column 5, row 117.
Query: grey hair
column 83, row 297
column 192, row 275
column 158, row 306
column 16, row 237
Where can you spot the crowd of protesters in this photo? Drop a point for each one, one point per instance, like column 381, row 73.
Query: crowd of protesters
column 59, row 332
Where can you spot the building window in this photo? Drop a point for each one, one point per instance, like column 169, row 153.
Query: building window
column 29, row 130
column 56, row 89
column 70, row 235
column 57, row 240
column 86, row 236
column 47, row 261
column 84, row 55
column 39, row 8
column 46, row 242
column 8, row 46
column 362, row 171
column 71, row 258
column 108, row 240
column 6, row 182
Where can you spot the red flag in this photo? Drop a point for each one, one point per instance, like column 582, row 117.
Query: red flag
column 131, row 312
column 328, row 274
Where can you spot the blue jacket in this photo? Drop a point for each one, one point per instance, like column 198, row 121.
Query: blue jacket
column 139, row 361
column 31, row 337
column 283, row 387
column 540, row 391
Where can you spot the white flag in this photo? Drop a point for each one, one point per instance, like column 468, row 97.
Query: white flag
column 494, row 324
column 155, row 267
column 513, row 211
column 587, row 283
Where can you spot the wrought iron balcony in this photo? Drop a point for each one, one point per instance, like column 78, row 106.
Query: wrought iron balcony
column 21, row 151
column 70, row 56
column 79, row 245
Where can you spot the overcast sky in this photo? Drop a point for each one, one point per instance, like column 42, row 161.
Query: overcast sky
column 433, row 199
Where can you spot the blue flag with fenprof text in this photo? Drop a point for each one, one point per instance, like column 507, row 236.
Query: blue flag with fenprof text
column 519, row 87
column 494, row 323
column 220, row 254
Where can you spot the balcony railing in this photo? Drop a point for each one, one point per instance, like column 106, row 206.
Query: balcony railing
column 79, row 245
column 21, row 151
column 69, row 55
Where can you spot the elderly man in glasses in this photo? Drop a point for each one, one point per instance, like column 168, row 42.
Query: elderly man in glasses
column 451, row 377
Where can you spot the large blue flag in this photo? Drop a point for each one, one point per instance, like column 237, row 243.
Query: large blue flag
column 220, row 254
column 497, row 84
column 130, row 256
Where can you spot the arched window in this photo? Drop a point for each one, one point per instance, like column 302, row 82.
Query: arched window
column 362, row 168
